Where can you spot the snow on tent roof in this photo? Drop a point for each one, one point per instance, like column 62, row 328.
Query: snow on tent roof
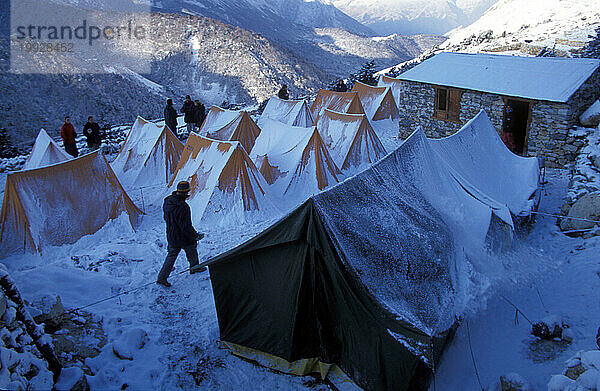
column 369, row 259
column 351, row 140
column 377, row 102
column 149, row 155
column 395, row 86
column 225, row 185
column 542, row 78
column 230, row 125
column 59, row 204
column 342, row 102
column 298, row 157
column 45, row 152
column 478, row 155
column 291, row 112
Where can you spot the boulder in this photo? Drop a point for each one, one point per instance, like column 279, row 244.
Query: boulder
column 72, row 379
column 514, row 382
column 129, row 343
column 591, row 117
column 587, row 207
column 51, row 310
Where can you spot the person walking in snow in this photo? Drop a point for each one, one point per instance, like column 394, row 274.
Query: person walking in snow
column 171, row 116
column 91, row 130
column 283, row 93
column 199, row 114
column 188, row 110
column 180, row 233
column 67, row 133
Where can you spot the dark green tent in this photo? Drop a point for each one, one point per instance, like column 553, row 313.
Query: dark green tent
column 360, row 276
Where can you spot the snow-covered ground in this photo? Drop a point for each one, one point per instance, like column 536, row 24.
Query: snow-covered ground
column 544, row 273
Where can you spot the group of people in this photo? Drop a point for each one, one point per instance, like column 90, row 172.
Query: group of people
column 193, row 112
column 91, row 130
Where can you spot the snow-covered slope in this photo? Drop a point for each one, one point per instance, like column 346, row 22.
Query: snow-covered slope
column 414, row 16
column 529, row 25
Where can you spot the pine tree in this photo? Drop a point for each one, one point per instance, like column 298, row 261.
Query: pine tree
column 366, row 74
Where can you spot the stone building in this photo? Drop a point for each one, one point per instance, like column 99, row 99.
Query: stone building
column 545, row 96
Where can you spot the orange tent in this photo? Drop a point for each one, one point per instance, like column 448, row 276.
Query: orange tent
column 350, row 139
column 230, row 125
column 342, row 102
column 149, row 155
column 377, row 102
column 225, row 185
column 59, row 204
column 395, row 86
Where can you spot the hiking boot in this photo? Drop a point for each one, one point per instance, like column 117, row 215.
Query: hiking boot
column 164, row 283
column 197, row 269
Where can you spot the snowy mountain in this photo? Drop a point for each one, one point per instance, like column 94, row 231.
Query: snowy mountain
column 414, row 16
column 529, row 26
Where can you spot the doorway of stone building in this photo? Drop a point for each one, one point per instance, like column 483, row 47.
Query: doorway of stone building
column 521, row 117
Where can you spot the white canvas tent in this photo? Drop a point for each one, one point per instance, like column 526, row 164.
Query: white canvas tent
column 351, row 140
column 477, row 154
column 295, row 160
column 230, row 125
column 226, row 187
column 395, row 86
column 45, row 152
column 377, row 102
column 149, row 155
column 342, row 102
column 291, row 112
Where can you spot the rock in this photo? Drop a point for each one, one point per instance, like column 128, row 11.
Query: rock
column 588, row 380
column 72, row 379
column 574, row 372
column 560, row 383
column 568, row 335
column 591, row 117
column 547, row 330
column 587, row 207
column 514, row 382
column 51, row 309
column 2, row 304
column 598, row 338
column 129, row 342
column 595, row 159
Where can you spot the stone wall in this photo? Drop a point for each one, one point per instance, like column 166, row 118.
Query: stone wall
column 549, row 128
column 584, row 97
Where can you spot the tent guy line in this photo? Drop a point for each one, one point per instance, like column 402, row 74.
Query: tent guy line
column 565, row 217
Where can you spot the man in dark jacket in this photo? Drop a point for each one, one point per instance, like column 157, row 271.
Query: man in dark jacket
column 67, row 133
column 171, row 116
column 91, row 130
column 180, row 232
column 283, row 93
column 199, row 113
column 188, row 110
column 341, row 86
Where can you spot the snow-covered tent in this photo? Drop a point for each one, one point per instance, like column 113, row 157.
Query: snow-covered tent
column 395, row 86
column 230, row 125
column 59, row 204
column 351, row 140
column 295, row 160
column 377, row 102
column 363, row 277
column 149, row 155
column 477, row 154
column 45, row 152
column 291, row 112
column 342, row 102
column 225, row 185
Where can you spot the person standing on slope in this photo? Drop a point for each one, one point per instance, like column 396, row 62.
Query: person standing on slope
column 180, row 233
column 283, row 93
column 67, row 133
column 91, row 130
column 171, row 116
column 341, row 86
column 199, row 114
column 188, row 110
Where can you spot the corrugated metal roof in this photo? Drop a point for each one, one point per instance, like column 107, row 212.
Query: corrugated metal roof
column 540, row 78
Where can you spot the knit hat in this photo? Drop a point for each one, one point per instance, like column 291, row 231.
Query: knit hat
column 183, row 187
